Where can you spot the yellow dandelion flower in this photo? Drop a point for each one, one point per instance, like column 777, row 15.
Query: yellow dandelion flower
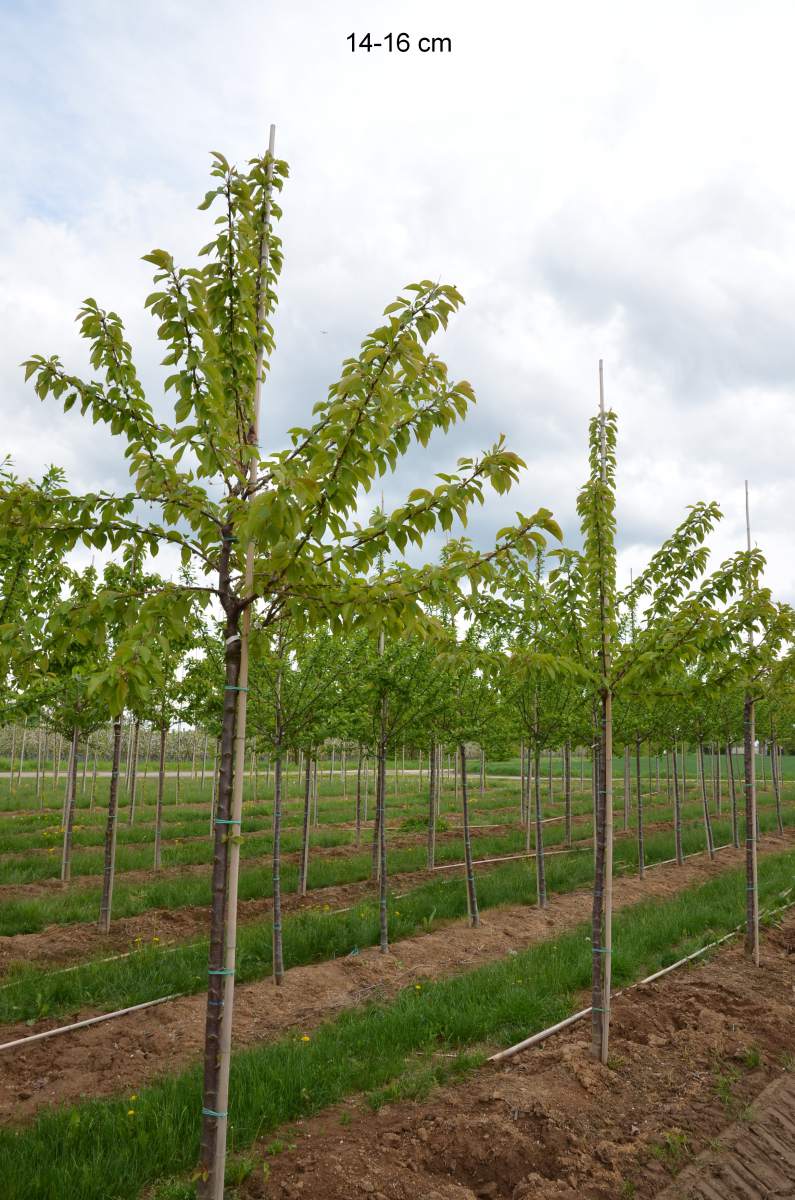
column 130, row 1112
column 306, row 1038
column 155, row 938
column 133, row 1098
column 417, row 987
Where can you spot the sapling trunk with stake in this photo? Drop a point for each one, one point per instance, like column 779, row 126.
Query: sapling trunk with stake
column 358, row 813
column 749, row 744
column 541, row 880
column 133, row 778
column 567, row 790
column 732, row 796
column 776, row 780
column 472, row 898
column 596, row 505
column 69, row 819
column 639, row 790
column 705, row 802
column 383, row 916
column 109, row 865
column 432, row 802
column 677, row 813
column 303, row 867
column 278, row 950
column 161, row 779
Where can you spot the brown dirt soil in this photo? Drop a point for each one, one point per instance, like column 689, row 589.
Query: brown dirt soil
column 554, row 1124
column 124, row 1054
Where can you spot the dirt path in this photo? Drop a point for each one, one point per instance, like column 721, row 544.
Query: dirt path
column 688, row 1054
column 124, row 1054
column 755, row 1158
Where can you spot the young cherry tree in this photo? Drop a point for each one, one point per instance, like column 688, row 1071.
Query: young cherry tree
column 276, row 529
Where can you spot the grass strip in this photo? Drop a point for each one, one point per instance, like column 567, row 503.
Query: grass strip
column 111, row 1150
column 309, row 937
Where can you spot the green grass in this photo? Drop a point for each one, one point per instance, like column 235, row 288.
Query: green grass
column 313, row 936
column 98, row 1151
column 28, row 915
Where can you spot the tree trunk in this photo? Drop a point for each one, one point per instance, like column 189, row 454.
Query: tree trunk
column 56, row 767
column 66, row 857
column 482, row 773
column 216, row 969
column 677, row 812
column 109, row 867
column 432, row 771
column 528, row 818
column 39, row 797
column 133, row 771
column 705, row 803
column 278, row 949
column 639, row 787
column 204, row 764
column 601, row 913
column 522, row 816
column 775, row 776
column 161, row 779
column 541, row 878
column 381, row 809
column 315, row 793
column 732, row 796
column 472, row 898
column 93, row 781
column 303, row 867
column 359, row 800
column 627, row 788
column 567, row 790
column 752, row 890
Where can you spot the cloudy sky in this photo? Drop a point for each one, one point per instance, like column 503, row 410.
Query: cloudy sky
column 611, row 180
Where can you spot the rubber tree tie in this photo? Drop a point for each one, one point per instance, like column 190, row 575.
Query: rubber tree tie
column 222, row 971
column 210, row 1112
column 216, row 1003
column 604, row 950
column 228, row 821
column 230, row 687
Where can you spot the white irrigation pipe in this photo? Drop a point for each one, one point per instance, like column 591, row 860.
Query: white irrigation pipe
column 508, row 857
column 48, row 1033
column 542, row 1036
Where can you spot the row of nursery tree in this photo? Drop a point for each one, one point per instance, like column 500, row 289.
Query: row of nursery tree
column 295, row 620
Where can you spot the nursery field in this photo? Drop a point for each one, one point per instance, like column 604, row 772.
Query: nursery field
column 328, row 872
column 356, row 1046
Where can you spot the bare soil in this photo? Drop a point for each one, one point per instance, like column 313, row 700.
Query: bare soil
column 689, row 1054
column 124, row 1054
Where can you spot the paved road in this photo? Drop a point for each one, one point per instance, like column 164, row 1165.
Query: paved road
column 755, row 1159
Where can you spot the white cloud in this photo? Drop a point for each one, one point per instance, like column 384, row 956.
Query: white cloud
column 607, row 180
